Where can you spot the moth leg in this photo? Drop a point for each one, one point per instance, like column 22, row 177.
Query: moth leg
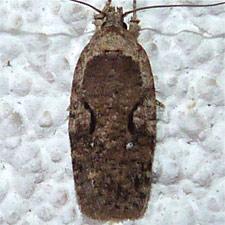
column 68, row 110
column 159, row 104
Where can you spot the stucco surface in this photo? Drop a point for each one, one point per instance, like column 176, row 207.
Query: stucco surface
column 40, row 42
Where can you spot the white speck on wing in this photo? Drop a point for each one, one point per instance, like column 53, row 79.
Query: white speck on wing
column 129, row 145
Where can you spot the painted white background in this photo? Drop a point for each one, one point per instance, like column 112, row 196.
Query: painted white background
column 40, row 42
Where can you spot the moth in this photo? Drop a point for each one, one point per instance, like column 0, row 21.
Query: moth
column 112, row 119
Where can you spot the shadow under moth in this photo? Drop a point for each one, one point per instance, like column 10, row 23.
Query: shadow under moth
column 112, row 119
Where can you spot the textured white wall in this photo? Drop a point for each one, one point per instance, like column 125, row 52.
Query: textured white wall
column 40, row 42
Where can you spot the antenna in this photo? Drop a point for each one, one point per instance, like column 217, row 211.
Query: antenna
column 91, row 6
column 170, row 6
column 134, row 9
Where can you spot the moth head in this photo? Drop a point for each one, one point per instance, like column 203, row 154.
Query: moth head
column 113, row 16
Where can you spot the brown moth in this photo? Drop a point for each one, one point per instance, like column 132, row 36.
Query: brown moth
column 112, row 120
column 112, row 123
